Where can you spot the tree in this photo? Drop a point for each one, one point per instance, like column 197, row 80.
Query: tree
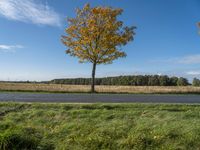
column 154, row 80
column 173, row 81
column 95, row 35
column 182, row 82
column 164, row 80
column 196, row 82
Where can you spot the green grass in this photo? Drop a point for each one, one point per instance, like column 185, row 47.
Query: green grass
column 99, row 126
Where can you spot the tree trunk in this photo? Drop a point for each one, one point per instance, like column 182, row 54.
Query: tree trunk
column 93, row 78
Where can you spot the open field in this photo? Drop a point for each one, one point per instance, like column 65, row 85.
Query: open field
column 31, row 87
column 99, row 126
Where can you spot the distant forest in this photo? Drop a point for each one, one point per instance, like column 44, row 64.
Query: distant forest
column 134, row 80
column 130, row 80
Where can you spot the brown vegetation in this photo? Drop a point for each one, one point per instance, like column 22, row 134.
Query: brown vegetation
column 36, row 87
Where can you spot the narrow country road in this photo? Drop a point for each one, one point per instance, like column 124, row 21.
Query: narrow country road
column 97, row 98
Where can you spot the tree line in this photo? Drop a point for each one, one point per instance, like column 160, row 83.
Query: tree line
column 131, row 80
column 134, row 80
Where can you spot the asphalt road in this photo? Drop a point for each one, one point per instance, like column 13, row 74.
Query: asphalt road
column 97, row 98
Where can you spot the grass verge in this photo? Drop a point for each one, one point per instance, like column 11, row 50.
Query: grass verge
column 99, row 126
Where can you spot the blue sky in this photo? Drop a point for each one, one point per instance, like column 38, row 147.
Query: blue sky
column 166, row 41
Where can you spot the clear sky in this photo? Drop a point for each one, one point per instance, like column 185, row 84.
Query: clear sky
column 166, row 41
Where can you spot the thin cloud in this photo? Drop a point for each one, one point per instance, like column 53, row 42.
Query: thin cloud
column 190, row 59
column 193, row 73
column 29, row 11
column 9, row 48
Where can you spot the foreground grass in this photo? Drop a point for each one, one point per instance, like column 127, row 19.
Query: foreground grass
column 60, row 88
column 99, row 126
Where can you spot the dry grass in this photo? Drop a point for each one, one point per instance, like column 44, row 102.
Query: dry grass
column 102, row 89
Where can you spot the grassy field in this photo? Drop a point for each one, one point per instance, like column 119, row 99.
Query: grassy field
column 31, row 87
column 99, row 126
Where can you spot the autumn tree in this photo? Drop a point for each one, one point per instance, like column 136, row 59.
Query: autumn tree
column 96, row 35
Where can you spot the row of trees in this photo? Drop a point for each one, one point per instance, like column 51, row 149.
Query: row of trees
column 139, row 80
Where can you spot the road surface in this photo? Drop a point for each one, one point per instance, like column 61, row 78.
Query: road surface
column 97, row 98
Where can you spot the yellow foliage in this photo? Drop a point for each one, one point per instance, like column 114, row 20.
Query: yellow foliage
column 95, row 35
